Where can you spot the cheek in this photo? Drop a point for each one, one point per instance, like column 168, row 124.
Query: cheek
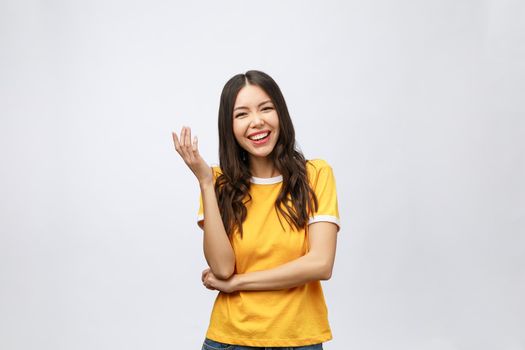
column 275, row 120
column 276, row 136
column 275, row 125
column 238, row 131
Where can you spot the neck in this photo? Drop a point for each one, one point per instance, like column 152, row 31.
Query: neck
column 263, row 167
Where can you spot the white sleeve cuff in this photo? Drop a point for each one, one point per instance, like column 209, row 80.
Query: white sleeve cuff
column 327, row 218
column 199, row 219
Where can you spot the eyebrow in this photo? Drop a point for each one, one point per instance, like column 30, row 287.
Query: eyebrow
column 260, row 104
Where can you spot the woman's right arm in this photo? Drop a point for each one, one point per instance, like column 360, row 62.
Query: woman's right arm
column 217, row 248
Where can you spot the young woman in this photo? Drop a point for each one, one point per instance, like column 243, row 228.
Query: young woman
column 270, row 220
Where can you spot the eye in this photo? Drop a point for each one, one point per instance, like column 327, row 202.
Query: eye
column 240, row 115
column 265, row 108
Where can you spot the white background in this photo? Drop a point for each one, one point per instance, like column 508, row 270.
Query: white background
column 417, row 105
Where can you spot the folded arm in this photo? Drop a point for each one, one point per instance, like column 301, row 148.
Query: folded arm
column 216, row 245
column 316, row 265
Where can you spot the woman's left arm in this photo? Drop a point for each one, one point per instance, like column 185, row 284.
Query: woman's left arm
column 316, row 265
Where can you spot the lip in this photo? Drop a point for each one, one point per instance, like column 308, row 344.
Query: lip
column 261, row 142
column 259, row 132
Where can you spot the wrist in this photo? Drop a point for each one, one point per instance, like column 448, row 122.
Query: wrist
column 206, row 184
column 237, row 282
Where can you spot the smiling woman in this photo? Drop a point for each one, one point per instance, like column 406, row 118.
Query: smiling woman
column 256, row 127
column 267, row 272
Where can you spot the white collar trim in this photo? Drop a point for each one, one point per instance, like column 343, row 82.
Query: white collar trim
column 266, row 180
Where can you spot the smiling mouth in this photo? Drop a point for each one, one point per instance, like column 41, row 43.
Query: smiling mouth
column 260, row 137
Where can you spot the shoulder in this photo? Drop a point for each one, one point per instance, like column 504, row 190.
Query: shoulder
column 319, row 172
column 216, row 169
column 316, row 165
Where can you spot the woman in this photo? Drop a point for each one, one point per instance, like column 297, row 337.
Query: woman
column 267, row 270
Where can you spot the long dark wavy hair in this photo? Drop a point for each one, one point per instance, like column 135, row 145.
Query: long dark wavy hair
column 232, row 186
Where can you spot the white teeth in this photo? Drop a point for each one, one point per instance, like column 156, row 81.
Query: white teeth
column 258, row 137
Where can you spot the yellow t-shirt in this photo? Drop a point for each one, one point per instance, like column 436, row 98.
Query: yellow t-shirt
column 289, row 317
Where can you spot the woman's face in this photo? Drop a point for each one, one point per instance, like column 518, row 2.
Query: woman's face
column 254, row 116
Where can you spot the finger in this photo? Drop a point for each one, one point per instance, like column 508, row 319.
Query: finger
column 184, row 147
column 209, row 287
column 183, row 136
column 175, row 141
column 194, row 152
column 189, row 145
column 204, row 274
column 187, row 137
column 195, row 146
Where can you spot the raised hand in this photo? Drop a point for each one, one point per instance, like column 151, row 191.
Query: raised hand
column 189, row 152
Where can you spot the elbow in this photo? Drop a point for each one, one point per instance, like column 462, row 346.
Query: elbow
column 326, row 275
column 223, row 275
column 322, row 267
column 224, row 272
column 326, row 272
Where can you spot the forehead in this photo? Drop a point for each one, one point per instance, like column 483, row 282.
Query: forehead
column 250, row 95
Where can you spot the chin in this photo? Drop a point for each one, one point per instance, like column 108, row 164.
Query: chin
column 260, row 155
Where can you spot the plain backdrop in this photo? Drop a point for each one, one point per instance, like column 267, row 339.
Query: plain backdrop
column 417, row 105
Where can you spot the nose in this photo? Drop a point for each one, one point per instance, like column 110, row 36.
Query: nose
column 257, row 120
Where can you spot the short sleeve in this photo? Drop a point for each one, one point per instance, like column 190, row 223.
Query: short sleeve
column 200, row 213
column 324, row 187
